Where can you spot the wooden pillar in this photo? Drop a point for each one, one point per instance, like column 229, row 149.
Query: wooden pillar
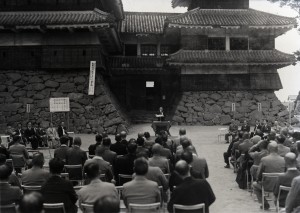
column 158, row 46
column 139, row 54
column 227, row 43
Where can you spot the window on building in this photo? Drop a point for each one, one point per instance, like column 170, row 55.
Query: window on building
column 216, row 43
column 130, row 49
column 149, row 50
column 164, row 50
column 149, row 84
column 239, row 43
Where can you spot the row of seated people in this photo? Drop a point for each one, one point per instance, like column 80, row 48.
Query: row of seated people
column 140, row 189
column 277, row 153
column 37, row 136
column 260, row 128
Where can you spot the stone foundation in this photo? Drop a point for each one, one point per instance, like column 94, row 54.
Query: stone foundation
column 88, row 113
column 215, row 108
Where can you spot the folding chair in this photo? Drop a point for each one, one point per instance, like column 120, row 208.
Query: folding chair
column 10, row 208
column 122, row 205
column 87, row 208
column 189, row 208
column 65, row 176
column 125, row 178
column 222, row 133
column 5, row 140
column 28, row 189
column 263, row 191
column 281, row 188
column 75, row 173
column 18, row 162
column 139, row 207
column 54, row 207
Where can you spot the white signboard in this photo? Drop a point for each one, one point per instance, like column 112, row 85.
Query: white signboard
column 233, row 107
column 259, row 107
column 27, row 108
column 59, row 104
column 92, row 78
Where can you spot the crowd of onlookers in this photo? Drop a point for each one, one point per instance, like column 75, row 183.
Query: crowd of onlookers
column 141, row 170
column 266, row 160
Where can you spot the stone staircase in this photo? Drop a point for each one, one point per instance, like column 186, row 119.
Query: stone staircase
column 142, row 116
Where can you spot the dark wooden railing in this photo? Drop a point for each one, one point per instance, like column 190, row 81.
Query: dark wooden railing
column 125, row 62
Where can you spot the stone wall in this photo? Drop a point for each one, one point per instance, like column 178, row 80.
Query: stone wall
column 215, row 108
column 88, row 113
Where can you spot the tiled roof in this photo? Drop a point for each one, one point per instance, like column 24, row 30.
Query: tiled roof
column 32, row 18
column 229, row 17
column 235, row 57
column 138, row 22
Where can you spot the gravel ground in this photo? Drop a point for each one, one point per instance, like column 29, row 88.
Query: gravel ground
column 229, row 198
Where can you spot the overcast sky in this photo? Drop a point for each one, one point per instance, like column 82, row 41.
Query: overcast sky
column 288, row 43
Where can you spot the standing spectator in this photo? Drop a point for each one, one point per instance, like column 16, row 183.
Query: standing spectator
column 96, row 189
column 8, row 194
column 273, row 163
column 190, row 191
column 141, row 190
column 282, row 149
column 232, row 131
column 52, row 135
column 31, row 203
column 158, row 160
column 62, row 131
column 57, row 189
column 107, row 204
column 286, row 178
column 76, row 155
column 30, row 136
column 92, row 147
column 118, row 147
column 124, row 164
column 108, row 155
column 292, row 203
column 36, row 176
column 148, row 141
column 62, row 150
column 245, row 127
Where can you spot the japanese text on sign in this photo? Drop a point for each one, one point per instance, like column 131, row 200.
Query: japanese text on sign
column 92, row 78
column 59, row 104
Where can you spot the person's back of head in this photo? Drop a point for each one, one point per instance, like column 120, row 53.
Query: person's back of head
column 272, row 135
column 241, row 134
column 185, row 144
column 141, row 166
column 77, row 141
column 107, row 204
column 298, row 146
column 16, row 139
column 182, row 131
column 106, row 142
column 296, row 136
column 142, row 154
column 140, row 135
column 118, row 138
column 64, row 140
column 2, row 159
column 280, row 139
column 31, row 203
column 182, row 168
column 38, row 160
column 98, row 138
column 159, row 140
column 140, row 141
column 100, row 150
column 5, row 172
column 263, row 144
column 187, row 156
column 290, row 160
column 123, row 135
column 273, row 147
column 131, row 148
column 92, row 170
column 56, row 166
column 246, row 135
column 147, row 135
column 284, row 131
column 156, row 148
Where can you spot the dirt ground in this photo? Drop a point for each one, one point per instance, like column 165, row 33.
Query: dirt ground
column 229, row 198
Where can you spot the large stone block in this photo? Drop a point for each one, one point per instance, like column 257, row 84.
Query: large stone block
column 43, row 103
column 101, row 100
column 26, row 100
column 10, row 107
column 259, row 98
column 21, row 93
column 178, row 119
column 215, row 109
column 14, row 76
column 182, row 109
column 283, row 113
column 52, row 84
column 38, row 96
column 38, row 86
column 3, row 88
column 75, row 96
column 198, row 109
column 11, row 89
column 66, row 87
column 225, row 119
column 208, row 116
column 216, row 96
column 35, row 79
column 80, row 80
column 112, row 122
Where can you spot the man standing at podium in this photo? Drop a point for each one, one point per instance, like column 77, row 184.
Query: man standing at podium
column 160, row 115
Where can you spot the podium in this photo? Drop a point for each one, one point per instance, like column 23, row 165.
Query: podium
column 158, row 126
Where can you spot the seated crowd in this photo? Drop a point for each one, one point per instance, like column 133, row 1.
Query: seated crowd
column 266, row 160
column 142, row 170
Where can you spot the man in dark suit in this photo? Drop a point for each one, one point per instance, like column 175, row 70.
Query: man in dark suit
column 286, row 178
column 266, row 128
column 232, row 131
column 62, row 131
column 257, row 129
column 118, row 147
column 245, row 127
column 20, row 132
column 190, row 191
column 57, row 189
column 160, row 114
column 8, row 194
column 272, row 163
column 123, row 138
column 61, row 152
column 92, row 147
column 30, row 136
column 292, row 203
column 124, row 164
column 76, row 155
column 108, row 155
